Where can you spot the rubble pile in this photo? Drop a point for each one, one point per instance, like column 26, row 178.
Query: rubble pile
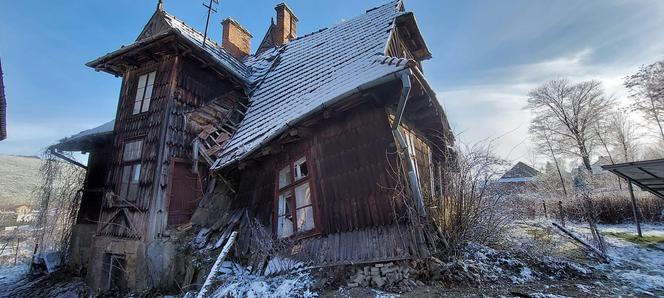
column 386, row 276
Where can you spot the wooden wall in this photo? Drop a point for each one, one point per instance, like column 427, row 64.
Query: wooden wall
column 351, row 182
column 146, row 126
column 95, row 180
column 181, row 85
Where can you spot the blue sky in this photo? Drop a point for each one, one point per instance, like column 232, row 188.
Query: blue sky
column 486, row 55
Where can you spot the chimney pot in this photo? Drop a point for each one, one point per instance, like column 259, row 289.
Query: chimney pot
column 286, row 24
column 235, row 39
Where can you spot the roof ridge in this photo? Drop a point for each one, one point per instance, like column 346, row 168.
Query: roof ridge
column 394, row 2
column 170, row 15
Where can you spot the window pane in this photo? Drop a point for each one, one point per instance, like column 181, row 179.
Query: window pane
column 142, row 80
column 146, row 105
column 301, row 170
column 302, row 196
column 126, row 171
column 284, row 177
column 136, row 174
column 133, row 183
column 148, row 92
column 137, row 107
column 132, row 150
column 284, row 227
column 305, row 219
column 285, row 204
column 151, row 77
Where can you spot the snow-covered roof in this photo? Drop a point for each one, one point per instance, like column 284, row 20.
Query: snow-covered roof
column 74, row 142
column 163, row 23
column 311, row 72
column 520, row 172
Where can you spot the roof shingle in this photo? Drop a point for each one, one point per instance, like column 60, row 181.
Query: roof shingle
column 310, row 72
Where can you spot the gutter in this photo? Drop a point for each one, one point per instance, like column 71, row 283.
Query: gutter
column 410, row 165
column 321, row 107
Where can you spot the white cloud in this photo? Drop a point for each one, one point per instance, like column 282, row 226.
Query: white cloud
column 485, row 111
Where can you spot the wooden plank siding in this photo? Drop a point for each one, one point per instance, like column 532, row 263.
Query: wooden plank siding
column 349, row 160
column 179, row 88
column 147, row 127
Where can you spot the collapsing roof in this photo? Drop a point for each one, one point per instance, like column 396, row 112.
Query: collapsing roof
column 647, row 174
column 310, row 73
column 304, row 76
column 520, row 172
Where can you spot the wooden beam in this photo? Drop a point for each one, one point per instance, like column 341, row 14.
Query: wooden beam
column 66, row 158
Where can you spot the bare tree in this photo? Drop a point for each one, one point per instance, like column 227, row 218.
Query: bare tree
column 570, row 111
column 623, row 134
column 544, row 140
column 647, row 90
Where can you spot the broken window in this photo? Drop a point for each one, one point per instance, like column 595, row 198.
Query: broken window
column 295, row 211
column 144, row 93
column 131, row 170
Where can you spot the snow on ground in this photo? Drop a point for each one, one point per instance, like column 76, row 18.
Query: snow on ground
column 639, row 266
column 10, row 275
column 240, row 283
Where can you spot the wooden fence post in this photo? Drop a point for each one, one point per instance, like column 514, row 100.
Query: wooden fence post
column 561, row 213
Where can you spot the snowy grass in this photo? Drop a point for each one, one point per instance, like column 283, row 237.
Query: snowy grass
column 637, row 262
column 646, row 240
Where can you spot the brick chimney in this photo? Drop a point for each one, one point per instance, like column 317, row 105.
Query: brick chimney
column 235, row 39
column 286, row 24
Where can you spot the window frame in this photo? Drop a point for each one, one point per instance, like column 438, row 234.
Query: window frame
column 137, row 80
column 132, row 164
column 290, row 187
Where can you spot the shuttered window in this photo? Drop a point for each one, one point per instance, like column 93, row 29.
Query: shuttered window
column 131, row 170
column 144, row 93
column 294, row 201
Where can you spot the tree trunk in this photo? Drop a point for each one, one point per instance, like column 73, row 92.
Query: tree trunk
column 585, row 157
column 555, row 161
column 654, row 113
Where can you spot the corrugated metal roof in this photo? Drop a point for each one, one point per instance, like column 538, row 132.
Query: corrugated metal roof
column 647, row 174
column 309, row 72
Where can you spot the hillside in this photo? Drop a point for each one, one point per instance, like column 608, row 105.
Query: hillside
column 19, row 176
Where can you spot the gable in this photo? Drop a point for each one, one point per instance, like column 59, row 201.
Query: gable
column 268, row 40
column 157, row 24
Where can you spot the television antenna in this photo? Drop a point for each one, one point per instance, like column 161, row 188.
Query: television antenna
column 211, row 8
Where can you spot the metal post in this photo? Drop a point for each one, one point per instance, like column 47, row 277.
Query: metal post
column 635, row 210
column 561, row 213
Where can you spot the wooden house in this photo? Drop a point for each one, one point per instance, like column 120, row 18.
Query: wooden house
column 311, row 138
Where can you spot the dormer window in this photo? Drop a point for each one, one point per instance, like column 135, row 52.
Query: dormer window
column 144, row 93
